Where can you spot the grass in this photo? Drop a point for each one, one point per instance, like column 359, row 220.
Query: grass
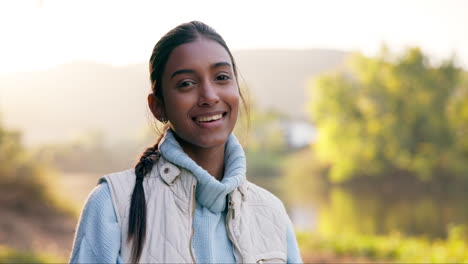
column 394, row 247
column 9, row 255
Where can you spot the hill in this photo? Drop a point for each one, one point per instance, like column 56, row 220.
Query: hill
column 64, row 101
column 277, row 78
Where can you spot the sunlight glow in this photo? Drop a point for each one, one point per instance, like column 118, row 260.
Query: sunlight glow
column 41, row 34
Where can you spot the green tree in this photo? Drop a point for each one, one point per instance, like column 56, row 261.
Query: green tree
column 25, row 184
column 389, row 115
column 16, row 164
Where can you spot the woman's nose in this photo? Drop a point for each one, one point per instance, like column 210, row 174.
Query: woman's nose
column 208, row 94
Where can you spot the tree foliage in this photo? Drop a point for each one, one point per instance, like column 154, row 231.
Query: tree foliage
column 392, row 114
column 15, row 163
column 24, row 183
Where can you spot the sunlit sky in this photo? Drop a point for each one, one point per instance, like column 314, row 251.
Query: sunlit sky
column 40, row 34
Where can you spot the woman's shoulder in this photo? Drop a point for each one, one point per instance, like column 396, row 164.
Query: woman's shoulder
column 128, row 177
column 99, row 203
column 99, row 195
column 125, row 175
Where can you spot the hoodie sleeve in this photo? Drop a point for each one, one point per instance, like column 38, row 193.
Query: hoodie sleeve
column 294, row 256
column 97, row 239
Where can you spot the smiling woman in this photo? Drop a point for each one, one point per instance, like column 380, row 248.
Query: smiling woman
column 201, row 99
column 187, row 200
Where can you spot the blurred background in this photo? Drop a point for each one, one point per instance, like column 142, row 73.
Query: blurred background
column 358, row 117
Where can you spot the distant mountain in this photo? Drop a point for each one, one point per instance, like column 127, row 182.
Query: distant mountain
column 277, row 79
column 66, row 100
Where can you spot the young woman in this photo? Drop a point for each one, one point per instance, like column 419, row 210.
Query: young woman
column 187, row 199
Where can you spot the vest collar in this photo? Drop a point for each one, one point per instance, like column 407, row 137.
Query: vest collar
column 168, row 172
column 210, row 193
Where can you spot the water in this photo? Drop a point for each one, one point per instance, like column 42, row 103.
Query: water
column 341, row 210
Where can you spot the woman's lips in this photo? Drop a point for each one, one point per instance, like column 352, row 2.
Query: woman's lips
column 209, row 120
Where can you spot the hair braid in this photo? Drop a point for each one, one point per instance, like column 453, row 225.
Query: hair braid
column 137, row 221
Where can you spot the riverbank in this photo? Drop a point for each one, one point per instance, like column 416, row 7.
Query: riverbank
column 391, row 248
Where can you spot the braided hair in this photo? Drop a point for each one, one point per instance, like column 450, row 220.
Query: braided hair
column 137, row 221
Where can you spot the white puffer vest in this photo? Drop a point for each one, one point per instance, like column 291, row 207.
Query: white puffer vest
column 256, row 220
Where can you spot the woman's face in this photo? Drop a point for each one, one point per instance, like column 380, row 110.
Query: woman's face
column 201, row 96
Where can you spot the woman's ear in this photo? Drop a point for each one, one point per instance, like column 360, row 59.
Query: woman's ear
column 157, row 107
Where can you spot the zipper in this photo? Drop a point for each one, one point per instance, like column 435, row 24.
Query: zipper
column 233, row 210
column 231, row 213
column 193, row 215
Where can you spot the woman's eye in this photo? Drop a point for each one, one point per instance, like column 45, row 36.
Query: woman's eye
column 185, row 84
column 223, row 77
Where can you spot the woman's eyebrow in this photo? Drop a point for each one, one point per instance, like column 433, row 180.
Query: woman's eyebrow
column 182, row 71
column 214, row 65
column 220, row 64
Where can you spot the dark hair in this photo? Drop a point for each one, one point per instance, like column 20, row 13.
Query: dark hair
column 184, row 33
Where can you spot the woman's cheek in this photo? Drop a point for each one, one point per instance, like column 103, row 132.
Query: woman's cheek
column 234, row 104
column 233, row 95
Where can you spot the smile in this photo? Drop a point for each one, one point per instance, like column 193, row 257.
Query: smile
column 209, row 118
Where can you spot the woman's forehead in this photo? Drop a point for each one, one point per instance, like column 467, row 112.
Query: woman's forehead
column 198, row 54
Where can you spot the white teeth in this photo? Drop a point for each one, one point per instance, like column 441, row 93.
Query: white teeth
column 209, row 118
